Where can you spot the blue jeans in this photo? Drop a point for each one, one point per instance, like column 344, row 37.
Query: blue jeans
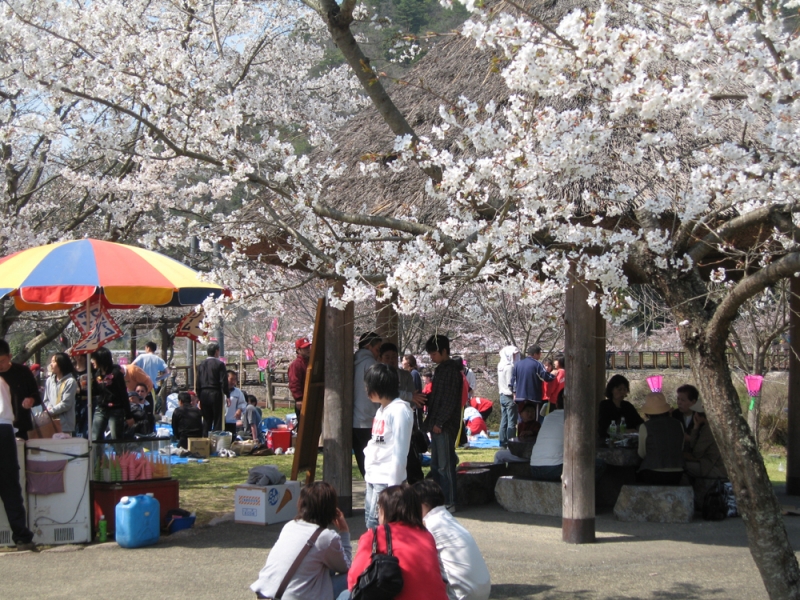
column 371, row 503
column 114, row 418
column 339, row 584
column 509, row 416
column 443, row 464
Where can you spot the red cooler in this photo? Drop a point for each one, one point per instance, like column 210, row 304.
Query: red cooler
column 278, row 438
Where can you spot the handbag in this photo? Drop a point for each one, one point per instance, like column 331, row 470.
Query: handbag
column 382, row 579
column 44, row 426
column 295, row 565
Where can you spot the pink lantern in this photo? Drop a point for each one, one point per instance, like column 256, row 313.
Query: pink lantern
column 262, row 363
column 224, row 359
column 753, row 383
column 249, row 354
column 654, row 381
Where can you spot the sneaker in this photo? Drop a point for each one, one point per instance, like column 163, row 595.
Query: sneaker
column 27, row 546
column 451, row 508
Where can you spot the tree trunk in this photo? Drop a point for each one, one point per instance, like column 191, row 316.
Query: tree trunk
column 41, row 340
column 758, row 506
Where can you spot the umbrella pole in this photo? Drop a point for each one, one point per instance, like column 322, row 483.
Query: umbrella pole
column 89, row 406
column 194, row 369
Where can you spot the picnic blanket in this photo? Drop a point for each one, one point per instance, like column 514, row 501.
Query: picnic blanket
column 482, row 442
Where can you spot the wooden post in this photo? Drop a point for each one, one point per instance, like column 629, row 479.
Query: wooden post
column 580, row 414
column 337, row 426
column 793, row 444
column 133, row 344
column 387, row 322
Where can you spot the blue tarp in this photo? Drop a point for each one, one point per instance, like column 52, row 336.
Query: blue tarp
column 482, row 442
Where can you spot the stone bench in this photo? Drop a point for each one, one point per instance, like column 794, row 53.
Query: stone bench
column 529, row 496
column 655, row 504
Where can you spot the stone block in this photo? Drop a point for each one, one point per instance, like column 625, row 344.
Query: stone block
column 655, row 504
column 528, row 496
column 474, row 486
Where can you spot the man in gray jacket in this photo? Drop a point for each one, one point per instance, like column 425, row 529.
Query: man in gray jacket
column 369, row 345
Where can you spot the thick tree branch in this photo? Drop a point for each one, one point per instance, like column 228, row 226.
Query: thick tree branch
column 41, row 340
column 748, row 287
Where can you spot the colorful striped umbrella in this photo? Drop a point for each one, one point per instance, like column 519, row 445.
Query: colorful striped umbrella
column 61, row 275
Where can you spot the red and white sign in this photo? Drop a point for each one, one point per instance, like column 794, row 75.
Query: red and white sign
column 96, row 326
column 190, row 326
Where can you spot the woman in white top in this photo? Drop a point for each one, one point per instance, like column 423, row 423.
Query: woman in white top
column 59, row 391
column 331, row 553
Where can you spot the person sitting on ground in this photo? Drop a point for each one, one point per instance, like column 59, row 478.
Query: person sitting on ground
column 703, row 461
column 187, row 420
column 474, row 422
column 527, row 429
column 660, row 444
column 251, row 419
column 467, row 574
column 686, row 397
column 330, row 552
column 141, row 423
column 547, row 456
column 615, row 407
column 413, row 546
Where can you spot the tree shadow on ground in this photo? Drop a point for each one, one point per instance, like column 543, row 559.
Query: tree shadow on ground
column 678, row 591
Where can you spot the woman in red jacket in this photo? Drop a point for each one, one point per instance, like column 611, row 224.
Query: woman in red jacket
column 414, row 547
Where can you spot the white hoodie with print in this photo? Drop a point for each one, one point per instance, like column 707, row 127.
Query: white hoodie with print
column 387, row 450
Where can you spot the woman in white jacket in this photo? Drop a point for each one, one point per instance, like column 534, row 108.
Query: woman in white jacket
column 331, row 553
column 59, row 391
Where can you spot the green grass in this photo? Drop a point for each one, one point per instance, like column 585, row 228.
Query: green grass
column 208, row 488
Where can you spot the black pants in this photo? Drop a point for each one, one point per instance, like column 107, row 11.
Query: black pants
column 413, row 468
column 650, row 477
column 485, row 414
column 10, row 490
column 232, row 428
column 361, row 438
column 211, row 402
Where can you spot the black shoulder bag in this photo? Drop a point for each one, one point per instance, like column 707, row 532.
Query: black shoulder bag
column 382, row 579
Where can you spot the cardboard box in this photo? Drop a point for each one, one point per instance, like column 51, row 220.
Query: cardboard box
column 199, row 446
column 256, row 505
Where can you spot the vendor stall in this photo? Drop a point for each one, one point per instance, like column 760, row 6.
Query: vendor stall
column 85, row 276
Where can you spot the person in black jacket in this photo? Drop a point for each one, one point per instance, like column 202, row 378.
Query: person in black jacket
column 615, row 407
column 187, row 421
column 18, row 393
column 109, row 397
column 24, row 390
column 213, row 390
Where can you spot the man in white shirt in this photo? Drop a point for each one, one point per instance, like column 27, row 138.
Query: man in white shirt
column 10, row 490
column 467, row 574
column 237, row 404
column 152, row 364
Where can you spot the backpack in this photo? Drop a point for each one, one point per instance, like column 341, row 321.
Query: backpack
column 715, row 502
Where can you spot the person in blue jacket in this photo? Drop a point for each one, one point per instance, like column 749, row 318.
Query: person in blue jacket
column 528, row 376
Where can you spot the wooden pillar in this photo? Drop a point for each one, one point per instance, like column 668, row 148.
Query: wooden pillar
column 793, row 444
column 580, row 414
column 387, row 322
column 133, row 344
column 337, row 426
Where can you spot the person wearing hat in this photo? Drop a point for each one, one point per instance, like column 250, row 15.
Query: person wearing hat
column 297, row 373
column 660, row 444
column 703, row 458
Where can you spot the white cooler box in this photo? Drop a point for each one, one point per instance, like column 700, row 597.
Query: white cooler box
column 61, row 518
column 257, row 505
column 5, row 528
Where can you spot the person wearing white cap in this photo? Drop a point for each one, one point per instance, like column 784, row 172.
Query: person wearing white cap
column 660, row 444
column 703, row 459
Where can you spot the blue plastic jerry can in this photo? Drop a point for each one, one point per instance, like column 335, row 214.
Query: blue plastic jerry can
column 138, row 521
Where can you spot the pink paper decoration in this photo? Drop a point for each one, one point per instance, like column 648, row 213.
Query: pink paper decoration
column 654, row 381
column 262, row 363
column 249, row 354
column 753, row 383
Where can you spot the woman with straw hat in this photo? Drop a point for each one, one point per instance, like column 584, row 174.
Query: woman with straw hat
column 660, row 444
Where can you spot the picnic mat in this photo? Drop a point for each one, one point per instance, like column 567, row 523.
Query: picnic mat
column 482, row 442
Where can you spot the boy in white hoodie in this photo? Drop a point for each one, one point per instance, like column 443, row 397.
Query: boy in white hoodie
column 386, row 453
